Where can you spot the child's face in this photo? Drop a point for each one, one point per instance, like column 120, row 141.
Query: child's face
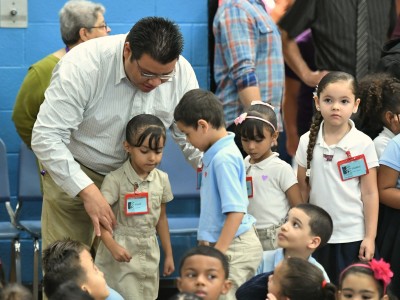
column 143, row 158
column 295, row 234
column 260, row 148
column 337, row 103
column 204, row 276
column 95, row 283
column 197, row 137
column 274, row 282
column 359, row 286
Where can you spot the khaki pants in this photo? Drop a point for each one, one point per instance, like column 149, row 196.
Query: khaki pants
column 268, row 237
column 244, row 255
column 63, row 216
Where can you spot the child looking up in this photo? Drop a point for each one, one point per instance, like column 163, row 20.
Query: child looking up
column 272, row 183
column 337, row 171
column 308, row 227
column 379, row 112
column 224, row 222
column 365, row 281
column 138, row 193
column 204, row 271
column 297, row 279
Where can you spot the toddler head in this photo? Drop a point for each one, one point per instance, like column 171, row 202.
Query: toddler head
column 297, row 279
column 204, row 272
column 258, row 130
column 145, row 140
column 365, row 280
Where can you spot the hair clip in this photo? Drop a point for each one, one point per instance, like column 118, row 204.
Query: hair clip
column 308, row 172
column 323, row 283
column 255, row 102
column 315, row 92
column 240, row 119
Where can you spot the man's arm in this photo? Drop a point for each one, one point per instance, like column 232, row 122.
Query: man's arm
column 59, row 115
column 295, row 61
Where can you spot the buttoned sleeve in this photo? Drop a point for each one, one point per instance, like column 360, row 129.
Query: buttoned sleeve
column 59, row 115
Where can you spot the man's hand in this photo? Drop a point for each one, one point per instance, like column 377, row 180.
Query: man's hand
column 98, row 209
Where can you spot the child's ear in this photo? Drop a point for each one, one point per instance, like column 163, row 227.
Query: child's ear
column 275, row 135
column 126, row 146
column 226, row 287
column 316, row 102
column 356, row 104
column 203, row 124
column 179, row 284
column 314, row 243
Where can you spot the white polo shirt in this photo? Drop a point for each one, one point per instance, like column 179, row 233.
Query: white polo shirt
column 341, row 199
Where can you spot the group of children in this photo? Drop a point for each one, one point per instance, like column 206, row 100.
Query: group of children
column 245, row 204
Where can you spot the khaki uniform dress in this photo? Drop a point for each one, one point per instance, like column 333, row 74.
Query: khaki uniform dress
column 138, row 279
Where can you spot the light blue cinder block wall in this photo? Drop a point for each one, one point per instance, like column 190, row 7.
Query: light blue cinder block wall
column 20, row 47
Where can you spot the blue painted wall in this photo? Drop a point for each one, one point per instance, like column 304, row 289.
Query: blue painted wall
column 20, row 47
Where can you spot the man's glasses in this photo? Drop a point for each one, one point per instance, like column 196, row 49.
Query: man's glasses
column 105, row 26
column 163, row 77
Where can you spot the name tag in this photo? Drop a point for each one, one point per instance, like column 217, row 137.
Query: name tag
column 352, row 167
column 136, row 204
column 249, row 186
column 199, row 177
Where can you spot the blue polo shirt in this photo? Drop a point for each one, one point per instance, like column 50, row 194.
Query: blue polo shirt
column 223, row 189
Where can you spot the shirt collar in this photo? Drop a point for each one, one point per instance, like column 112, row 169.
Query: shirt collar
column 133, row 176
column 344, row 143
column 217, row 146
column 262, row 164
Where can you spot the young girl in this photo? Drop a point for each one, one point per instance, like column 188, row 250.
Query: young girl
column 272, row 184
column 138, row 193
column 387, row 240
column 297, row 279
column 337, row 171
column 365, row 281
column 379, row 112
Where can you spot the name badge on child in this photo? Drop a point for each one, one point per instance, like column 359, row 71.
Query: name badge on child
column 352, row 166
column 199, row 177
column 249, row 186
column 136, row 204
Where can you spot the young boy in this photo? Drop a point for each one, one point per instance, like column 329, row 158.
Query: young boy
column 224, row 222
column 307, row 228
column 69, row 260
column 204, row 271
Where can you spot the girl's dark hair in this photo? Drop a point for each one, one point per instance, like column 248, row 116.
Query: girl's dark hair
column 379, row 93
column 303, row 280
column 329, row 78
column 253, row 128
column 145, row 125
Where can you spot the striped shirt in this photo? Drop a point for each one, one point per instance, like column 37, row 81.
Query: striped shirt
column 88, row 105
column 334, row 30
column 248, row 52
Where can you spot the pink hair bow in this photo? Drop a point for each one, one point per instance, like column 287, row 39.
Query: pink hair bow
column 240, row 119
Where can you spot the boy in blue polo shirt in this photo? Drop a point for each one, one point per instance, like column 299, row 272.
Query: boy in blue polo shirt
column 224, row 222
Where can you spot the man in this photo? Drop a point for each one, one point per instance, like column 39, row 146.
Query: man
column 95, row 90
column 80, row 21
column 248, row 62
column 334, row 30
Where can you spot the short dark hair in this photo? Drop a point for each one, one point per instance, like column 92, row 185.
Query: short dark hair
column 158, row 37
column 145, row 125
column 206, row 251
column 185, row 296
column 303, row 280
column 61, row 263
column 200, row 104
column 320, row 221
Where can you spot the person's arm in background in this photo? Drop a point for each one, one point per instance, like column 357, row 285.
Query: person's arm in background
column 236, row 31
column 29, row 98
column 295, row 61
column 289, row 108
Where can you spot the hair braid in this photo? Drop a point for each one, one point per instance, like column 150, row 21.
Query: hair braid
column 312, row 140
